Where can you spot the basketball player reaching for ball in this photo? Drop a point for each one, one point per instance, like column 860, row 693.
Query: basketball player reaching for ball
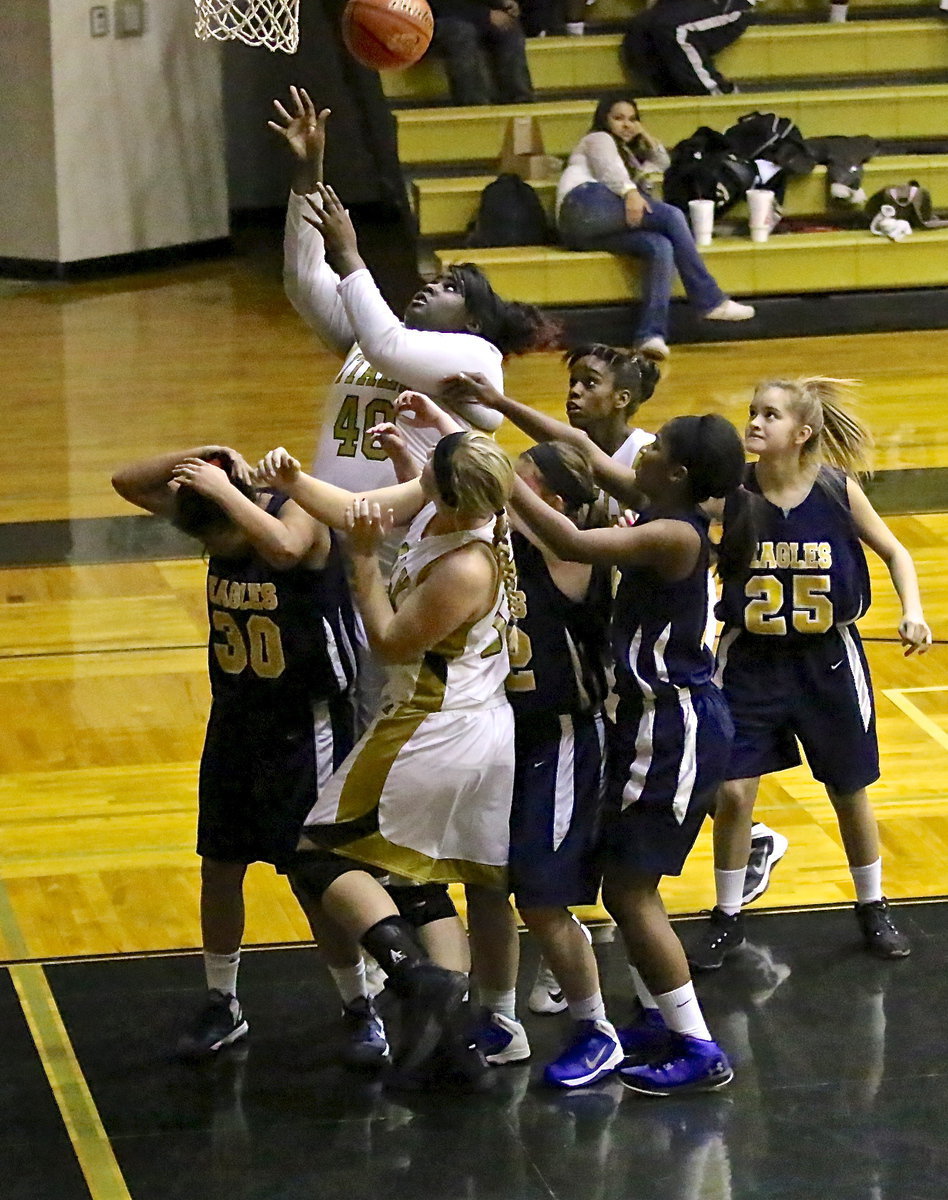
column 427, row 791
column 282, row 667
column 557, row 687
column 790, row 659
column 607, row 387
column 672, row 731
column 455, row 323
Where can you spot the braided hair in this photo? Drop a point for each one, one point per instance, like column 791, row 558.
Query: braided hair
column 474, row 476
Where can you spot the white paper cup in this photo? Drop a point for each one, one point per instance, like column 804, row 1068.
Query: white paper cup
column 760, row 207
column 701, row 214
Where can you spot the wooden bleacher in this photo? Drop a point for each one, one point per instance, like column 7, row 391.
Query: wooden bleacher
column 450, row 154
column 764, row 56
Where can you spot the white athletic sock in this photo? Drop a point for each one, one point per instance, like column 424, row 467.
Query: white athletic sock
column 590, row 1009
column 868, row 882
column 504, row 1003
column 646, row 999
column 729, row 890
column 350, row 982
column 575, row 28
column 682, row 1012
column 838, row 13
column 220, row 971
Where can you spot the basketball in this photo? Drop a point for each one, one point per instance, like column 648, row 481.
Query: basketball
column 387, row 34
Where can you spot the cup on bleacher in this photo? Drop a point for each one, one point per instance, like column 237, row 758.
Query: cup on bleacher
column 760, row 206
column 701, row 215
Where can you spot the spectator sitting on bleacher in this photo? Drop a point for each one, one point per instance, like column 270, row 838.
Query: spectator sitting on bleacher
column 540, row 17
column 603, row 202
column 484, row 51
column 672, row 44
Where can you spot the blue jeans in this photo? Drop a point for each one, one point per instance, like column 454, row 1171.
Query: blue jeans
column 593, row 218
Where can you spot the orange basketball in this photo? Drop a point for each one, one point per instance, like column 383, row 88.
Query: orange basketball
column 387, row 34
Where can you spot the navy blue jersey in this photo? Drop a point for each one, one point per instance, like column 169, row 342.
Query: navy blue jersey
column 809, row 571
column 559, row 664
column 279, row 634
column 658, row 628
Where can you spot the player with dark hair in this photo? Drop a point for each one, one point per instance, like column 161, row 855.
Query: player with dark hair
column 282, row 667
column 673, row 729
column 604, row 202
column 456, row 322
column 427, row 790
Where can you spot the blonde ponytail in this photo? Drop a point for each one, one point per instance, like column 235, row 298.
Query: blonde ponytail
column 516, row 600
column 825, row 404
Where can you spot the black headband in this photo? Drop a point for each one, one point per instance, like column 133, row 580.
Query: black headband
column 560, row 480
column 441, row 465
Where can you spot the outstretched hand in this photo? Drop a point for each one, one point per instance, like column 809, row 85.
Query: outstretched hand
column 367, row 526
column 331, row 219
column 472, row 388
column 303, row 129
column 277, row 469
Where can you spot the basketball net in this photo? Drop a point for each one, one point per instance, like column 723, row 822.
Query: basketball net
column 270, row 23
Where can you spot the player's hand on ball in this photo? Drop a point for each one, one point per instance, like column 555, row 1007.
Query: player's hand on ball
column 303, row 129
column 278, row 468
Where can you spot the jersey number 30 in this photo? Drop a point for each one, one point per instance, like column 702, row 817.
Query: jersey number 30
column 812, row 609
column 261, row 646
column 351, row 435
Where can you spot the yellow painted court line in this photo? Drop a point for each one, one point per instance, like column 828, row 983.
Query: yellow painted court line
column 933, row 730
column 10, row 929
column 930, row 687
column 80, row 1115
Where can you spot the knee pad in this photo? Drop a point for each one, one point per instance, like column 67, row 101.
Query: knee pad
column 422, row 903
column 312, row 872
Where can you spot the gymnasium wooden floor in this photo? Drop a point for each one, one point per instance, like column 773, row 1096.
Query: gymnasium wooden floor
column 104, row 695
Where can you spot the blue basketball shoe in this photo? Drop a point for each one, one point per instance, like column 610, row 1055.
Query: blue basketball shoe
column 647, row 1038
column 593, row 1052
column 691, row 1065
column 501, row 1040
column 366, row 1042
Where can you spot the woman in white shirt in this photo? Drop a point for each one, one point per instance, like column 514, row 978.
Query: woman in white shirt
column 603, row 203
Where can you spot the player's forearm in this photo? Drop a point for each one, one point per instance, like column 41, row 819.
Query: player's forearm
column 138, row 481
column 537, row 425
column 306, row 174
column 324, row 501
column 905, row 581
column 375, row 608
column 269, row 537
column 552, row 528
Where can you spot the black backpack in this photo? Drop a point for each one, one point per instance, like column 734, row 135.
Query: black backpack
column 703, row 167
column 509, row 213
column 911, row 202
column 771, row 137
